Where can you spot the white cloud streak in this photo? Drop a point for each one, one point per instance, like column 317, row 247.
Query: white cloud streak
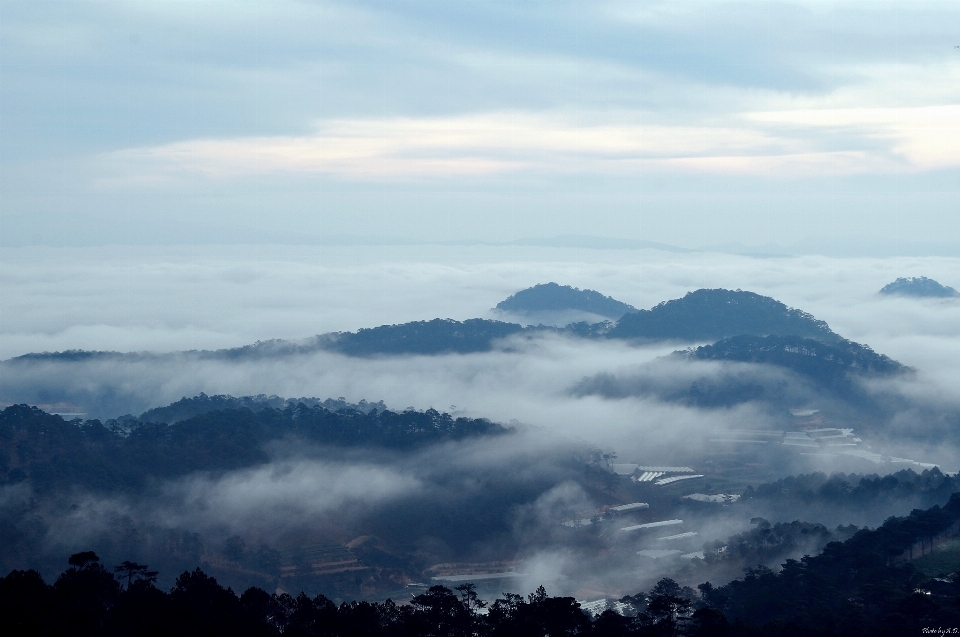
column 285, row 495
column 785, row 143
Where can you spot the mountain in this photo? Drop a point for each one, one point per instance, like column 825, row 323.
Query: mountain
column 187, row 408
column 918, row 286
column 552, row 297
column 787, row 371
column 125, row 454
column 711, row 315
column 439, row 336
column 824, row 363
column 860, row 586
column 704, row 315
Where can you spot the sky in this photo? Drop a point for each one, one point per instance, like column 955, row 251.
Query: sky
column 806, row 127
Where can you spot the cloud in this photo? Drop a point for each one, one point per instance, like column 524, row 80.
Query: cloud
column 285, row 495
column 209, row 297
column 926, row 137
column 784, row 143
column 676, row 122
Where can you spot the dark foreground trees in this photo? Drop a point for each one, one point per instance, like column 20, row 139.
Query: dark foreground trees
column 88, row 600
column 858, row 587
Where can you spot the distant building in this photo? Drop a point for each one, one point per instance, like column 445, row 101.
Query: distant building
column 633, row 506
column 673, row 479
column 659, row 554
column 678, row 536
column 720, row 498
column 652, row 525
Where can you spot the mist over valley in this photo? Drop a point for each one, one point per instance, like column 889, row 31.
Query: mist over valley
column 592, row 458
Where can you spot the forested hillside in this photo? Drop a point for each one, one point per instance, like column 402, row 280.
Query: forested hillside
column 552, row 297
column 825, row 363
column 439, row 336
column 703, row 315
column 711, row 315
column 52, row 453
column 188, row 407
column 919, row 286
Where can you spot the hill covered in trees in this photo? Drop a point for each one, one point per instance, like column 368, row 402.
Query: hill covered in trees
column 859, row 587
column 841, row 498
column 53, row 453
column 552, row 297
column 918, row 286
column 826, row 364
column 439, row 336
column 711, row 315
column 815, row 371
column 201, row 404
column 703, row 315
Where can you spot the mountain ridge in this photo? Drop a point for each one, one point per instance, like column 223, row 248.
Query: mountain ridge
column 705, row 315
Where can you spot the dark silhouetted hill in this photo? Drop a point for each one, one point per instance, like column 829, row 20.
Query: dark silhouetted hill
column 552, row 297
column 838, row 495
column 189, row 407
column 53, row 453
column 918, row 286
column 824, row 363
column 862, row 586
column 783, row 371
column 704, row 315
column 439, row 336
column 711, row 315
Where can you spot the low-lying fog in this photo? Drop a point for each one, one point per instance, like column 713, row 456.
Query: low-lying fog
column 209, row 297
column 206, row 297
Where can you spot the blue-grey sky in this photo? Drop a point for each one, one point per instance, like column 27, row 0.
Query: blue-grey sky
column 804, row 124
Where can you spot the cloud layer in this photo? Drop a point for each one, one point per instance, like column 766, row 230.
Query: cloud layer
column 776, row 143
column 207, row 298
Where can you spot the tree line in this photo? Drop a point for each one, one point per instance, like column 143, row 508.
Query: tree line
column 853, row 588
column 53, row 453
column 856, row 491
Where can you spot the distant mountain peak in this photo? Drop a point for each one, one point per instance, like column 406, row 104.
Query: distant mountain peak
column 918, row 286
column 553, row 297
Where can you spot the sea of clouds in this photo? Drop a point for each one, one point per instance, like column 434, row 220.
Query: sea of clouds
column 162, row 299
column 165, row 299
